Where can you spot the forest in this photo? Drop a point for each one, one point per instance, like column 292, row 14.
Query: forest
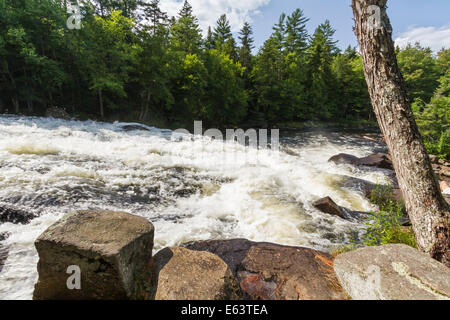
column 130, row 61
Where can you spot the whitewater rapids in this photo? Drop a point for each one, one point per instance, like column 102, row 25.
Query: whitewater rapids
column 190, row 188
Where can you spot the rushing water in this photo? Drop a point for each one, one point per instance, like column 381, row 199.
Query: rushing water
column 190, row 188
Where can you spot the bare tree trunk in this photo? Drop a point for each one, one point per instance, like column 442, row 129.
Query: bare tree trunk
column 100, row 99
column 426, row 207
column 147, row 104
column 16, row 104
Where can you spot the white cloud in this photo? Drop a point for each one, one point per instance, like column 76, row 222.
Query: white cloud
column 208, row 11
column 435, row 38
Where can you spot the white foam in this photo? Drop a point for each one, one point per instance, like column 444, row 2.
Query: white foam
column 254, row 194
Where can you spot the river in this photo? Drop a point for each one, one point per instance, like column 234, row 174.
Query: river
column 189, row 188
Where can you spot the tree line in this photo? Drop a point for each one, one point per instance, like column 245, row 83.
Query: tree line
column 131, row 61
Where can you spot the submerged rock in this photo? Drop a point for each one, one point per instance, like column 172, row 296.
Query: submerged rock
column 268, row 271
column 112, row 250
column 183, row 274
column 327, row 205
column 392, row 272
column 13, row 215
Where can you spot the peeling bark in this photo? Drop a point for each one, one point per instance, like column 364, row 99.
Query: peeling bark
column 426, row 207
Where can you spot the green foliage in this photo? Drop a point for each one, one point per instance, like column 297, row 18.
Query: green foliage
column 131, row 61
column 385, row 225
column 185, row 32
column 434, row 119
column 419, row 70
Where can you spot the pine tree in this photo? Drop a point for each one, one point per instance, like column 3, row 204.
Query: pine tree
column 245, row 51
column 186, row 34
column 209, row 41
column 280, row 31
column 222, row 31
column 321, row 83
column 154, row 15
column 296, row 33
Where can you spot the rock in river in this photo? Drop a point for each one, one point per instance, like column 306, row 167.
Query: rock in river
column 183, row 274
column 112, row 251
column 392, row 272
column 327, row 205
column 268, row 271
column 378, row 160
column 13, row 215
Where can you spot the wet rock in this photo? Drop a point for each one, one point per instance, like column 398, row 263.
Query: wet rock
column 57, row 113
column 134, row 127
column 183, row 274
column 392, row 272
column 112, row 250
column 327, row 205
column 268, row 271
column 378, row 160
column 344, row 158
column 13, row 215
column 359, row 185
column 3, row 250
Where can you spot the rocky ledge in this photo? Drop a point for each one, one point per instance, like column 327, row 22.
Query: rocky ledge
column 112, row 252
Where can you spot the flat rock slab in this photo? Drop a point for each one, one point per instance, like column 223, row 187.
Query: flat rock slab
column 392, row 272
column 112, row 250
column 182, row 274
column 268, row 271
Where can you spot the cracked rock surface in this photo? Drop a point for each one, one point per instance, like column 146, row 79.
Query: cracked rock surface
column 392, row 272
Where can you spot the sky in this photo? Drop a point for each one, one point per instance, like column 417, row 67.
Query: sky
column 426, row 21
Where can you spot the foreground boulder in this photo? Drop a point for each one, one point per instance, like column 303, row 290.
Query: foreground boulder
column 182, row 274
column 378, row 160
column 268, row 271
column 392, row 272
column 327, row 205
column 112, row 250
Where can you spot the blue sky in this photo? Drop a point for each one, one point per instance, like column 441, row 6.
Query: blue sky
column 427, row 21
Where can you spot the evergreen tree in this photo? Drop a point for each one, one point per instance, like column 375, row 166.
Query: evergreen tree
column 209, row 41
column 321, row 82
column 296, row 33
column 222, row 31
column 280, row 31
column 186, row 34
column 154, row 15
column 245, row 51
